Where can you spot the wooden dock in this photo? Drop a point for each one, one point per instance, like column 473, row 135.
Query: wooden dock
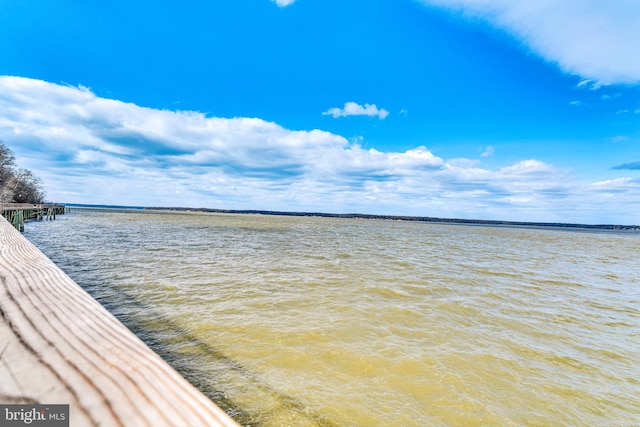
column 60, row 346
column 18, row 213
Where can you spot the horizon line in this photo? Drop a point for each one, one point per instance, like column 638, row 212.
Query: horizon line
column 354, row 215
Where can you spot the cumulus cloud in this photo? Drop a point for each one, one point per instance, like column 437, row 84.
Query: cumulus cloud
column 89, row 149
column 354, row 109
column 617, row 185
column 594, row 39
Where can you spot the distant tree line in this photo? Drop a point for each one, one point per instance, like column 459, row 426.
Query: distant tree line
column 17, row 185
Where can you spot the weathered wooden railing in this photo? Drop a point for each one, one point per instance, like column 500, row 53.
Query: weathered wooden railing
column 60, row 346
column 18, row 213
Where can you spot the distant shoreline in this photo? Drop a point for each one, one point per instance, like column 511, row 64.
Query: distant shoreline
column 408, row 218
column 373, row 216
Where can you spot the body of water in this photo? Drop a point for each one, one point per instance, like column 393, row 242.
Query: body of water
column 307, row 321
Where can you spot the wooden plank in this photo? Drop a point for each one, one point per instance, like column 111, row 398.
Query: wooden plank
column 60, row 346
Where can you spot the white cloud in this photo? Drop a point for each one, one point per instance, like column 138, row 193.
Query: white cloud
column 616, row 184
column 589, row 84
column 283, row 3
column 488, row 151
column 354, row 109
column 89, row 149
column 594, row 39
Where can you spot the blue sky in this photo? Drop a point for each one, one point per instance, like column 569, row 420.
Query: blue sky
column 489, row 109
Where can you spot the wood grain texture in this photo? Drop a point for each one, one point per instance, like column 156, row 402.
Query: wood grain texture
column 59, row 345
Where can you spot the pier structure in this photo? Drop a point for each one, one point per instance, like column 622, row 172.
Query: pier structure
column 60, row 346
column 18, row 213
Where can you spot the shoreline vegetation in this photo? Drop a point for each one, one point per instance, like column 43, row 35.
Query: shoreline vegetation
column 461, row 221
column 18, row 185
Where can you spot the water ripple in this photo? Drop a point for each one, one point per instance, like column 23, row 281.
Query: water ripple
column 317, row 321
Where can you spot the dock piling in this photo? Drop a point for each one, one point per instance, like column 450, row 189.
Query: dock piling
column 18, row 213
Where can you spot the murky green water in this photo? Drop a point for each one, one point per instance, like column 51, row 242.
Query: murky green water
column 333, row 322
